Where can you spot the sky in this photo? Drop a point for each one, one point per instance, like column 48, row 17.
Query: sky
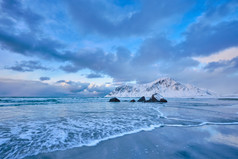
column 88, row 47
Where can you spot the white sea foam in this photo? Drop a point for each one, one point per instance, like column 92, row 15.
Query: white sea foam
column 200, row 124
column 4, row 140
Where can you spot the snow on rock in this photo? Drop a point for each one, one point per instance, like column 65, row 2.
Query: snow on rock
column 164, row 87
column 158, row 96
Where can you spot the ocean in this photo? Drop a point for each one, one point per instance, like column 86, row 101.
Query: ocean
column 30, row 127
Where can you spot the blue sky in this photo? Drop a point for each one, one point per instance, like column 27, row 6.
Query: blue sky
column 88, row 47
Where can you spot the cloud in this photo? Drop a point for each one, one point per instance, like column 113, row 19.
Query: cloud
column 84, row 89
column 225, row 66
column 73, row 87
column 15, row 11
column 154, row 49
column 22, row 32
column 150, row 21
column 158, row 50
column 220, row 82
column 30, row 45
column 44, row 78
column 111, row 19
column 156, row 55
column 226, row 54
column 211, row 39
column 218, row 12
column 27, row 66
column 10, row 87
column 94, row 75
column 70, row 68
column 117, row 65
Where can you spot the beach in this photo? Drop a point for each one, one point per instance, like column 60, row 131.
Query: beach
column 208, row 141
column 39, row 128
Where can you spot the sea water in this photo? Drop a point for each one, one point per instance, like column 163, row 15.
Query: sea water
column 29, row 126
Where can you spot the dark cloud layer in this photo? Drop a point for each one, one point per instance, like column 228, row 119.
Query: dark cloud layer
column 205, row 40
column 94, row 75
column 97, row 16
column 14, row 9
column 30, row 45
column 225, row 66
column 154, row 49
column 27, row 66
column 44, row 78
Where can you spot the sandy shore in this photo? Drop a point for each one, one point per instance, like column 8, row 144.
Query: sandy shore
column 217, row 141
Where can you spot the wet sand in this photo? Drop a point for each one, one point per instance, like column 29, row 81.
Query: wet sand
column 209, row 141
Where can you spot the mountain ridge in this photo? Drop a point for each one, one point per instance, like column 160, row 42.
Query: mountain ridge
column 165, row 86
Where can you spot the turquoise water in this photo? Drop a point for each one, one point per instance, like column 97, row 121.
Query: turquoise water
column 29, row 126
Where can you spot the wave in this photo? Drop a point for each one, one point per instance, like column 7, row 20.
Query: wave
column 27, row 101
column 61, row 135
column 227, row 98
column 20, row 102
column 200, row 124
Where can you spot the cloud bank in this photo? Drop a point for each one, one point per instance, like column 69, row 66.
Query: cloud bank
column 168, row 37
column 22, row 88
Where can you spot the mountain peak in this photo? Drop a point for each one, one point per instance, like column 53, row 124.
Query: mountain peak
column 164, row 80
column 164, row 86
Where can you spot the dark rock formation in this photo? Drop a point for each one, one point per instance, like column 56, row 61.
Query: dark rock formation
column 152, row 99
column 114, row 100
column 142, row 99
column 163, row 100
column 133, row 100
column 157, row 98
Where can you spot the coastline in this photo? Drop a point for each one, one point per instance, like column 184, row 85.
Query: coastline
column 207, row 141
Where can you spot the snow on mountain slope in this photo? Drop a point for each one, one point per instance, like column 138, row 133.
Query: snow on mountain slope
column 166, row 87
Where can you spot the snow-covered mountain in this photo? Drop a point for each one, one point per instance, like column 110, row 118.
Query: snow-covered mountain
column 166, row 87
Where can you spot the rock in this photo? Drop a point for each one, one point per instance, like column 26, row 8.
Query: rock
column 114, row 100
column 157, row 96
column 133, row 100
column 163, row 100
column 142, row 99
column 152, row 99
